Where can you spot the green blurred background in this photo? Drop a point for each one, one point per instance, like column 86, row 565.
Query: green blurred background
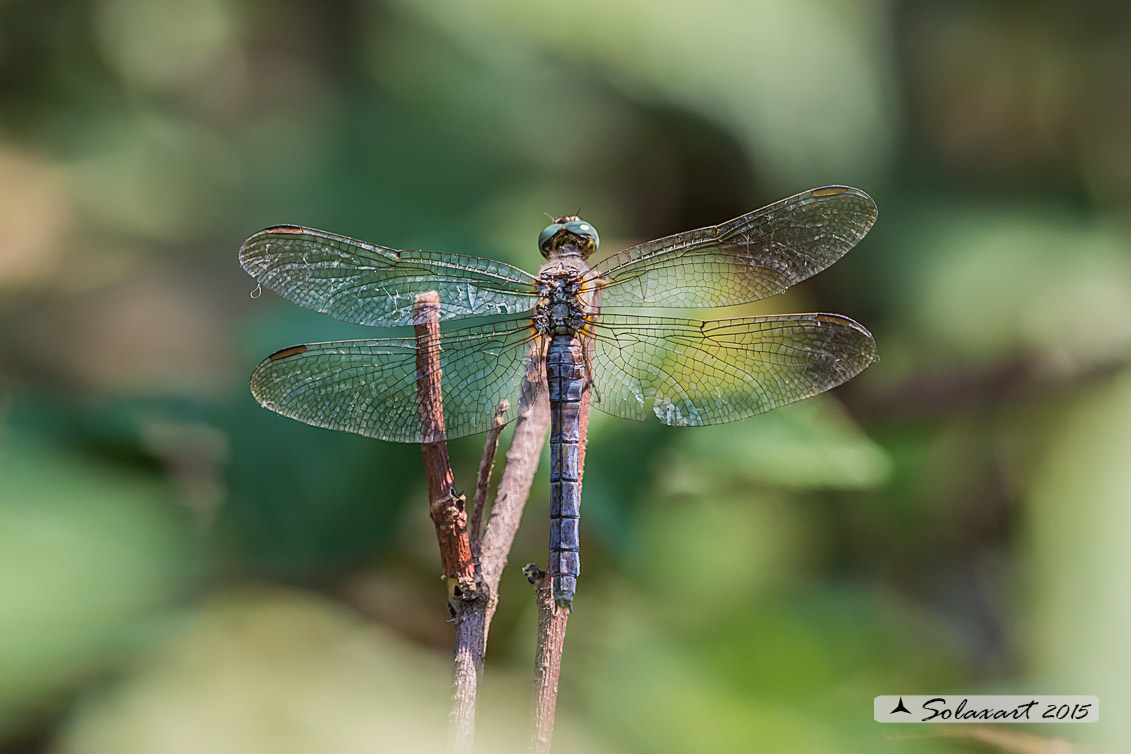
column 182, row 571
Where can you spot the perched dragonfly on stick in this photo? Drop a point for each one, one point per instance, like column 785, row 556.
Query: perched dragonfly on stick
column 686, row 372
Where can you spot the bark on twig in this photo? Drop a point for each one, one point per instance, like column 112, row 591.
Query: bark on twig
column 474, row 621
column 523, row 457
column 446, row 507
column 472, row 568
column 483, row 481
column 552, row 622
column 446, row 504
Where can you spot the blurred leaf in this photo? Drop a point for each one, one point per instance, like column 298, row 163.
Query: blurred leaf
column 812, row 444
column 259, row 672
column 89, row 557
column 785, row 675
column 824, row 113
column 696, row 558
column 36, row 212
column 150, row 174
column 262, row 670
column 1077, row 616
column 160, row 44
column 987, row 283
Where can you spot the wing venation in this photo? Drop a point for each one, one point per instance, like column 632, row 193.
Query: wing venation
column 696, row 373
column 749, row 258
column 370, row 386
column 367, row 284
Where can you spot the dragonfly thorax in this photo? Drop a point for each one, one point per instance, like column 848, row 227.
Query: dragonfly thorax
column 560, row 309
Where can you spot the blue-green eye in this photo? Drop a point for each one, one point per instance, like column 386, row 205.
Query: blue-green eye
column 548, row 233
column 582, row 228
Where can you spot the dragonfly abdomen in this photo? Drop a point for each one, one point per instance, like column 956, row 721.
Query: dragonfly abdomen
column 565, row 378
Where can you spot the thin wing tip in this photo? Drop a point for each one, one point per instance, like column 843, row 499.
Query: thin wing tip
column 262, row 366
column 253, row 385
column 251, row 243
column 871, row 355
column 856, row 326
column 264, row 400
column 871, row 350
column 251, row 255
column 838, row 190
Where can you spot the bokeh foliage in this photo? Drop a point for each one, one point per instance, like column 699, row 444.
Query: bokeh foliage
column 183, row 571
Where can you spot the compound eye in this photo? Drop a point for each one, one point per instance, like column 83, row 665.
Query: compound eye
column 582, row 228
column 547, row 234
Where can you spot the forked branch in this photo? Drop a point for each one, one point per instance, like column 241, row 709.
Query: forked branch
column 473, row 600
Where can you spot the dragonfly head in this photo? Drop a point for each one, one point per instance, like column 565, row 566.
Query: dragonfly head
column 568, row 235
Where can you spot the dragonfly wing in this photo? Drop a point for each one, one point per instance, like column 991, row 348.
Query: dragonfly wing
column 369, row 284
column 698, row 373
column 370, row 386
column 746, row 259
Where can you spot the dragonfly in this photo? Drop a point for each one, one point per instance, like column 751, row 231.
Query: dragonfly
column 571, row 328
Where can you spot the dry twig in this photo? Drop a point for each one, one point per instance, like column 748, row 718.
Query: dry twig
column 474, row 621
column 446, row 504
column 473, row 591
column 552, row 622
column 446, row 507
column 486, row 466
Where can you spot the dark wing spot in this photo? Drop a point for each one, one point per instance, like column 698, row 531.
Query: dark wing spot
column 286, row 352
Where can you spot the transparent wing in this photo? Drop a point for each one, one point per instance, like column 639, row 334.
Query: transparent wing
column 369, row 386
column 698, row 373
column 746, row 259
column 369, row 284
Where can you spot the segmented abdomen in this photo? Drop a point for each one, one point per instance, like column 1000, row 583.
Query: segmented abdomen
column 565, row 378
